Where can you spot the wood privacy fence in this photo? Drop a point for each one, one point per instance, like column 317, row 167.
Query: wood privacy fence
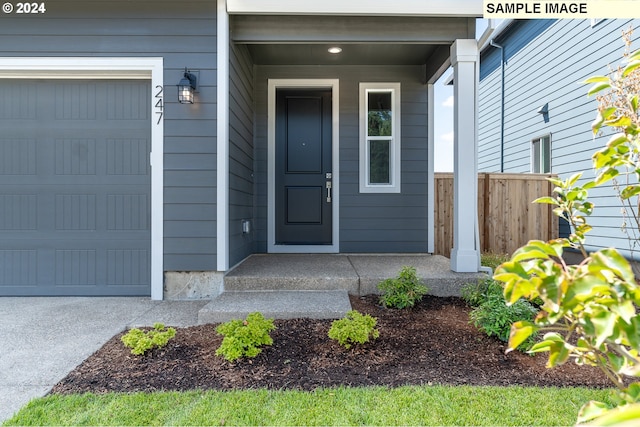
column 507, row 218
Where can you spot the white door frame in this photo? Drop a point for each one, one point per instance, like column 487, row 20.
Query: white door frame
column 114, row 68
column 274, row 84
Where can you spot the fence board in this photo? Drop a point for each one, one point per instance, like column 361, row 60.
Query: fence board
column 507, row 218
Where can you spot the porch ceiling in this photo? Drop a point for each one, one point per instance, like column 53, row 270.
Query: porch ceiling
column 352, row 54
column 365, row 40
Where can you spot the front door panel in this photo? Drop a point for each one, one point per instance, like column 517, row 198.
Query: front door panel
column 303, row 167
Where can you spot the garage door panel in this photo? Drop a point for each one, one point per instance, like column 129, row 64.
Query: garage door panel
column 76, row 267
column 75, row 156
column 75, row 202
column 18, row 211
column 18, row 101
column 127, row 212
column 18, row 268
column 17, row 156
column 128, row 267
column 127, row 156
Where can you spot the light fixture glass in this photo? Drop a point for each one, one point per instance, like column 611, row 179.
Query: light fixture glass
column 187, row 88
column 334, row 49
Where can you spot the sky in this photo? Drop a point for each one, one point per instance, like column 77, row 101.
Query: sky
column 443, row 129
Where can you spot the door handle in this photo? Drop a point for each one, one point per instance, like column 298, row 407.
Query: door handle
column 328, row 186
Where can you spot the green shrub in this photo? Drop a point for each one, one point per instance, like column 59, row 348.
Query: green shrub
column 140, row 342
column 493, row 316
column 475, row 294
column 355, row 328
column 244, row 337
column 493, row 260
column 403, row 291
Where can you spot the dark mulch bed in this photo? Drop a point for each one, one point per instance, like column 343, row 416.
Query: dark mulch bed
column 430, row 344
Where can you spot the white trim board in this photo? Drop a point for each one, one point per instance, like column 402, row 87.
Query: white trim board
column 113, row 68
column 335, row 147
column 465, row 8
column 222, row 139
column 395, row 162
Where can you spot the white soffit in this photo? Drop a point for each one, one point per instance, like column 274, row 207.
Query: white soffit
column 464, row 8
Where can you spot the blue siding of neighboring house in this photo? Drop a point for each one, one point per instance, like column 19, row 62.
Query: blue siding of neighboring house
column 548, row 68
column 524, row 32
column 184, row 34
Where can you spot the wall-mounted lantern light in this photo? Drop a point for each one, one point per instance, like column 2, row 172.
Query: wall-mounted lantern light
column 187, row 87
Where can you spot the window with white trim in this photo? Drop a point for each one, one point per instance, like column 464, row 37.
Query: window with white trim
column 379, row 137
column 541, row 154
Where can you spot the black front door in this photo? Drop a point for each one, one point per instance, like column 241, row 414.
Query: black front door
column 303, row 167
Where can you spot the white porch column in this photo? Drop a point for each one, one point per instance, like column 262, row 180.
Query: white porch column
column 431, row 140
column 465, row 255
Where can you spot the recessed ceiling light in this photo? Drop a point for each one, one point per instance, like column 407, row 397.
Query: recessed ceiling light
column 335, row 49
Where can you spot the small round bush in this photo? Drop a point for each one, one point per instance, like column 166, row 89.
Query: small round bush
column 140, row 341
column 244, row 337
column 355, row 328
column 404, row 291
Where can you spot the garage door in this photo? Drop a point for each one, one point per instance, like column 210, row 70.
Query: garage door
column 74, row 187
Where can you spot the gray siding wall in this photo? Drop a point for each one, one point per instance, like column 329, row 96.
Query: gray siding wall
column 241, row 151
column 549, row 69
column 368, row 222
column 183, row 33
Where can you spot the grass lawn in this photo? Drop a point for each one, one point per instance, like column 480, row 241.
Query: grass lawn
column 427, row 405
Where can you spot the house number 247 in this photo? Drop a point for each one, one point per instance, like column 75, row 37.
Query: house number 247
column 159, row 105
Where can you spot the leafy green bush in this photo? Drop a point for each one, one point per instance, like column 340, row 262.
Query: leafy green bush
column 403, row 291
column 493, row 260
column 140, row 342
column 355, row 328
column 475, row 294
column 494, row 316
column 244, row 337
column 590, row 310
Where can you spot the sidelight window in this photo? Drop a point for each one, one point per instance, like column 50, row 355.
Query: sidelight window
column 379, row 137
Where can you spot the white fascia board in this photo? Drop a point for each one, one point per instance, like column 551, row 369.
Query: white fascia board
column 458, row 8
column 77, row 67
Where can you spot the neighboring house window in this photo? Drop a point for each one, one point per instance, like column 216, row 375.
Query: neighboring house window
column 379, row 137
column 541, row 154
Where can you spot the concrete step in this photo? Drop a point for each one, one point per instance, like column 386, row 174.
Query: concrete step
column 280, row 304
column 295, row 272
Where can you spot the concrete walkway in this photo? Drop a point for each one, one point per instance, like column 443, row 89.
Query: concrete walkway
column 43, row 339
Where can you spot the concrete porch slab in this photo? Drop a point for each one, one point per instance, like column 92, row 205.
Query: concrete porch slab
column 286, row 286
column 359, row 274
column 332, row 304
column 435, row 270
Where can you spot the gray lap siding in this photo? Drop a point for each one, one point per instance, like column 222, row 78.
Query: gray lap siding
column 182, row 33
column 368, row 222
